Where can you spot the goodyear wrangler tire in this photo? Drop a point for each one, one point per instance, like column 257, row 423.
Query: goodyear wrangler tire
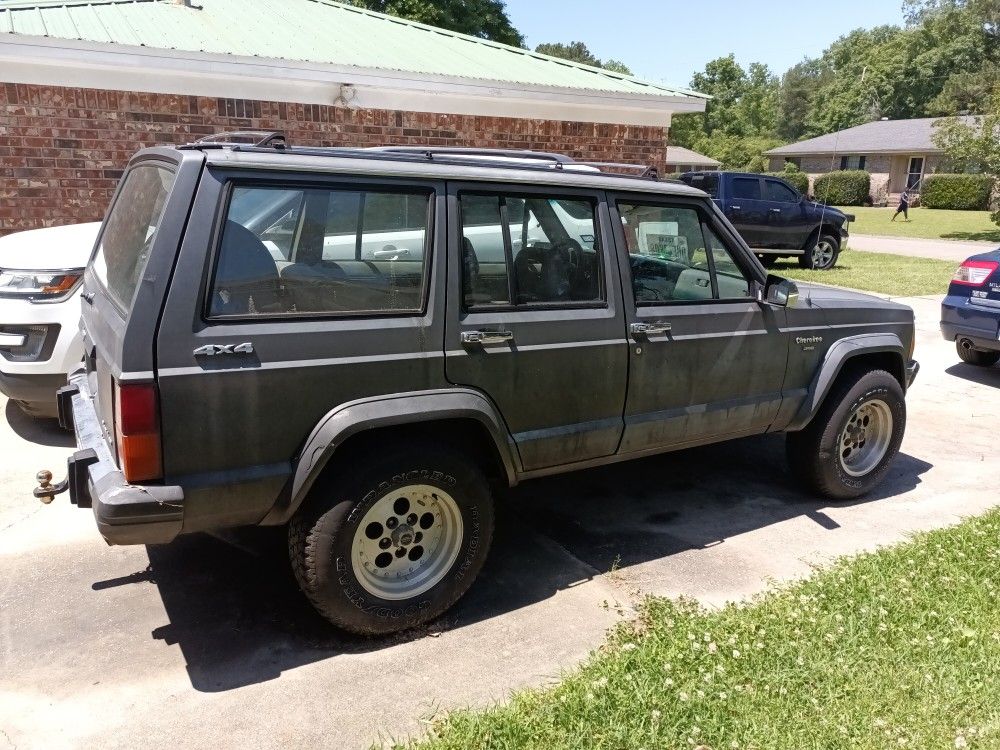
column 847, row 448
column 395, row 541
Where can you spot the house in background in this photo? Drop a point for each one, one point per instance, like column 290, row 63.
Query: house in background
column 85, row 83
column 685, row 160
column 897, row 153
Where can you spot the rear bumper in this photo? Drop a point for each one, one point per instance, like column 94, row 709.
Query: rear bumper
column 963, row 319
column 125, row 513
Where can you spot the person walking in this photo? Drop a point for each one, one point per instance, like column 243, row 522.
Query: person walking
column 903, row 207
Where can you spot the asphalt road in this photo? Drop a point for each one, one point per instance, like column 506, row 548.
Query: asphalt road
column 206, row 643
column 952, row 250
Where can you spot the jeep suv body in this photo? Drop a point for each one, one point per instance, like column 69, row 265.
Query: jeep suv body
column 363, row 345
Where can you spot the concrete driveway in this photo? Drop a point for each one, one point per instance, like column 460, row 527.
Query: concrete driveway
column 206, row 642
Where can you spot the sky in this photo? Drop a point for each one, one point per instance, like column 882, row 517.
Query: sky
column 669, row 40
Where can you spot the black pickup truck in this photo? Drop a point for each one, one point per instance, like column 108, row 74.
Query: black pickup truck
column 775, row 219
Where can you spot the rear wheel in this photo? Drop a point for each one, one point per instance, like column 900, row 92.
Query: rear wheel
column 394, row 542
column 823, row 254
column 979, row 357
column 848, row 446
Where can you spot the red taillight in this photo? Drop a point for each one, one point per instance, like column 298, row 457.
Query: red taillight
column 975, row 272
column 137, row 431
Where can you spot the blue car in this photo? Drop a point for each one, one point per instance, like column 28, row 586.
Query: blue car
column 970, row 314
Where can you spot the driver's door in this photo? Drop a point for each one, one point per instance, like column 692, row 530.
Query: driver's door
column 706, row 359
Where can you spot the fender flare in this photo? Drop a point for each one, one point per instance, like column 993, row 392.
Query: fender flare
column 349, row 419
column 837, row 356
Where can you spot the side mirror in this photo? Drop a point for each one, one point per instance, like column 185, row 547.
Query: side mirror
column 781, row 292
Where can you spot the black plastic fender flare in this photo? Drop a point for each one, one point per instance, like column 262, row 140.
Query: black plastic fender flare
column 838, row 355
column 349, row 419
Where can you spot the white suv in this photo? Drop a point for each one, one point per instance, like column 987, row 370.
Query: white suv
column 40, row 272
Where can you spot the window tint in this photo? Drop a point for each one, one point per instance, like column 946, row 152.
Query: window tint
column 484, row 262
column 779, row 191
column 747, row 188
column 308, row 251
column 707, row 182
column 676, row 257
column 536, row 250
column 130, row 229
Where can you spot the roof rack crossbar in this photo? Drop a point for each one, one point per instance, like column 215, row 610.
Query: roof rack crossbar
column 262, row 139
column 450, row 151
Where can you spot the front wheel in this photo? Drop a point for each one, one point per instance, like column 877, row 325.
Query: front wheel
column 978, row 357
column 822, row 256
column 848, row 446
column 395, row 542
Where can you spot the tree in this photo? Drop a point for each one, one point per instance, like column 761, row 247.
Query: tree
column 486, row 19
column 580, row 53
column 973, row 144
column 575, row 51
column 739, row 121
column 796, row 99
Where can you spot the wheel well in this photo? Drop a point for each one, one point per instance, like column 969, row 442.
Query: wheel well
column 830, row 229
column 888, row 361
column 464, row 435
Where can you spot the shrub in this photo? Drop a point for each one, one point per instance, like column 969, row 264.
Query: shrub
column 962, row 192
column 798, row 180
column 847, row 187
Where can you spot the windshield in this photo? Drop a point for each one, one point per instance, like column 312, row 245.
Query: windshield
column 130, row 229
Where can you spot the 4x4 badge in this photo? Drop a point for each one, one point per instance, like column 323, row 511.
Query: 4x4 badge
column 211, row 350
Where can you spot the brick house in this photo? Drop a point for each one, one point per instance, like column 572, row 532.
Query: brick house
column 897, row 153
column 84, row 83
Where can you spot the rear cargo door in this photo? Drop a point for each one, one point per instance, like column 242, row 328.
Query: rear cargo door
column 126, row 279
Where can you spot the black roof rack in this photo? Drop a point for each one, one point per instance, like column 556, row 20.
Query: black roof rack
column 451, row 151
column 259, row 141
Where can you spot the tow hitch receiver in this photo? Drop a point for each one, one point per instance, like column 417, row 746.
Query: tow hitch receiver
column 46, row 491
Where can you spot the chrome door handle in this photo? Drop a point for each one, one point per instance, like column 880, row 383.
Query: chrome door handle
column 393, row 253
column 486, row 337
column 736, row 208
column 646, row 329
column 775, row 210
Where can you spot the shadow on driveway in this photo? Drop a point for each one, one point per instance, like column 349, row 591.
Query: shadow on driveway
column 981, row 375
column 237, row 616
column 39, row 431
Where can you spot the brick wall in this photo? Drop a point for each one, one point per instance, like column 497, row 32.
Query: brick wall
column 62, row 150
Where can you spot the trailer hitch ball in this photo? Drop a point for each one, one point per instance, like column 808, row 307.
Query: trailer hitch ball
column 46, row 491
column 44, row 478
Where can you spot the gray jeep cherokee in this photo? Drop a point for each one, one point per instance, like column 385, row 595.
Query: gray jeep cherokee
column 363, row 346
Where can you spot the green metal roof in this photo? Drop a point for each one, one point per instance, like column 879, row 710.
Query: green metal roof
column 316, row 31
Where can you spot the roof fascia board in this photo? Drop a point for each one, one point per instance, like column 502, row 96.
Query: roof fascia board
column 60, row 62
column 858, row 151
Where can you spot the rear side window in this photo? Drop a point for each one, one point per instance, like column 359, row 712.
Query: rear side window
column 707, row 182
column 529, row 250
column 130, row 229
column 747, row 188
column 307, row 251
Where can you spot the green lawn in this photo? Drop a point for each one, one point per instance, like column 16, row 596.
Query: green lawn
column 893, row 275
column 897, row 648
column 928, row 223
